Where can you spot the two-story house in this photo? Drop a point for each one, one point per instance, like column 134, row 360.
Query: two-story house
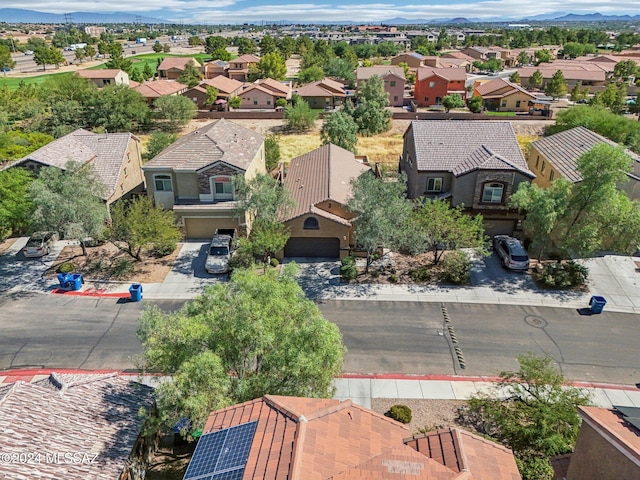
column 194, row 176
column 214, row 68
column 393, row 78
column 172, row 67
column 474, row 164
column 433, row 84
column 239, row 67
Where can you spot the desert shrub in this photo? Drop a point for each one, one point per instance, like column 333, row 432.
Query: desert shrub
column 393, row 278
column 162, row 249
column 348, row 261
column 241, row 258
column 121, row 268
column 535, row 468
column 421, row 274
column 274, row 262
column 348, row 272
column 96, row 266
column 455, row 268
column 400, row 413
column 564, row 275
column 66, row 267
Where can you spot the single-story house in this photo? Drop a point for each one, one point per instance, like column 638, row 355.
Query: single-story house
column 501, row 95
column 323, row 93
column 574, row 75
column 263, row 94
column 227, row 88
column 75, row 427
column 115, row 157
column 102, row 78
column 153, row 90
column 320, row 184
column 393, row 78
column 194, row 176
column 295, row 438
column 172, row 67
column 433, row 84
column 473, row 164
column 556, row 156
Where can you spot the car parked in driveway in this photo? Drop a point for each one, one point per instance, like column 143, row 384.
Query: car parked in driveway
column 220, row 251
column 39, row 244
column 511, row 252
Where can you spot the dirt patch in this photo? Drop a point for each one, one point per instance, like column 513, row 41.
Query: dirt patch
column 6, row 244
column 108, row 263
column 170, row 463
column 426, row 415
column 394, row 268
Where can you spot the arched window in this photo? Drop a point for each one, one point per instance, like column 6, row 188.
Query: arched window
column 311, row 223
column 492, row 193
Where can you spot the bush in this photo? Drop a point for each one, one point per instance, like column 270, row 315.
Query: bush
column 400, row 413
column 393, row 278
column 242, row 258
column 162, row 249
column 564, row 275
column 350, row 261
column 121, row 268
column 348, row 272
column 66, row 267
column 456, row 267
column 274, row 262
column 535, row 468
column 420, row 275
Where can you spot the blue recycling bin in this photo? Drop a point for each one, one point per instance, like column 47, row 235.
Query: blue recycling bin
column 597, row 304
column 135, row 290
column 64, row 279
column 75, row 281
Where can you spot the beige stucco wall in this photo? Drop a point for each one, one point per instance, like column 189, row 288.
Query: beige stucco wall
column 539, row 165
column 131, row 176
column 257, row 99
column 328, row 229
column 512, row 100
column 396, row 93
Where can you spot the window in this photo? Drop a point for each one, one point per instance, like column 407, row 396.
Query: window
column 392, row 83
column 432, row 84
column 544, row 167
column 552, row 174
column 222, row 188
column 395, row 98
column 517, row 103
column 434, row 184
column 504, row 103
column 537, row 161
column 163, row 183
column 426, row 99
column 255, row 101
column 268, row 102
column 438, row 101
column 492, row 193
column 311, row 223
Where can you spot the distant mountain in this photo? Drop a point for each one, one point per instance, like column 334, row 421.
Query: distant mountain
column 16, row 15
column 595, row 17
column 420, row 21
column 543, row 17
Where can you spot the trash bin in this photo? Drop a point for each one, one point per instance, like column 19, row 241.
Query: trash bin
column 64, row 279
column 597, row 304
column 76, row 281
column 136, row 292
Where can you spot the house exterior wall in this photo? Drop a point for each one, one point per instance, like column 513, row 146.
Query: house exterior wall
column 170, row 74
column 410, row 60
column 335, row 208
column 130, row 177
column 429, row 89
column 394, row 86
column 212, row 71
column 319, row 102
column 538, row 164
column 510, row 103
column 421, row 179
column 255, row 98
column 328, row 229
column 197, row 97
column 595, row 458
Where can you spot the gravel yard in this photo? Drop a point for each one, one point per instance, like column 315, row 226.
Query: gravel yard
column 426, row 414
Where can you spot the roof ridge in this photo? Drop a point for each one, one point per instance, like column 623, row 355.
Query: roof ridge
column 331, row 409
column 463, row 463
column 271, row 401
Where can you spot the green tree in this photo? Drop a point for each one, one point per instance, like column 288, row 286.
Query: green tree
column 212, row 95
column 438, row 227
column 272, row 65
column 221, row 54
column 195, row 40
column 340, row 129
column 78, row 216
column 117, row 61
column 166, row 48
column 614, row 97
column 523, row 58
column 190, row 76
column 136, row 75
column 557, row 86
column 157, row 47
column 579, row 93
column 311, row 74
column 90, row 51
column 174, row 111
column 475, row 104
column 303, row 45
column 261, row 199
column 286, row 46
column 47, row 56
column 268, row 45
column 246, row 45
column 159, row 141
column 341, row 69
column 299, row 117
column 267, row 239
column 534, row 414
column 381, row 211
column 271, row 151
column 623, row 70
column 234, row 102
column 371, row 114
column 6, row 62
column 572, row 49
column 536, row 80
column 137, row 225
column 542, row 56
column 514, row 77
column 147, row 71
column 117, row 108
column 214, row 43
column 452, row 101
column 260, row 327
column 15, row 203
column 59, row 88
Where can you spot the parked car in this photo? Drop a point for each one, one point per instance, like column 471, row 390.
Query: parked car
column 28, row 52
column 39, row 244
column 511, row 252
column 220, row 251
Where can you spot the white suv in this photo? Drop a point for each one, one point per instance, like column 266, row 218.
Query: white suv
column 511, row 252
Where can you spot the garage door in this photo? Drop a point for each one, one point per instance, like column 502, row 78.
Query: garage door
column 499, row 227
column 200, row 227
column 312, row 247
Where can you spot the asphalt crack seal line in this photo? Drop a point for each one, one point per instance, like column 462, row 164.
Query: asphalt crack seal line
column 453, row 337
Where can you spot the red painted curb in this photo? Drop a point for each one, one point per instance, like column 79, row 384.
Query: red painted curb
column 91, row 293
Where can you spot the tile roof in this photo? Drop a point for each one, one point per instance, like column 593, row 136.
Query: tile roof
column 364, row 73
column 446, row 73
column 612, row 425
column 309, row 438
column 179, row 63
column 220, row 140
column 322, row 88
column 459, row 55
column 274, row 85
column 569, row 74
column 319, row 175
column 268, row 91
column 106, row 152
column 106, row 73
column 225, row 85
column 93, row 414
column 246, row 58
column 157, row 88
column 500, row 88
column 466, row 145
column 563, row 149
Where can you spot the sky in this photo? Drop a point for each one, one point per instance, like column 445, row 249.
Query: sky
column 359, row 11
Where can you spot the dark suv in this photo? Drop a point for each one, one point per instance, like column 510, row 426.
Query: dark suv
column 511, row 252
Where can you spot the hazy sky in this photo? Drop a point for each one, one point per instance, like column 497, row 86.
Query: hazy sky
column 238, row 11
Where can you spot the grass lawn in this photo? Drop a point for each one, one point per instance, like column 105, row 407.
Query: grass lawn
column 139, row 61
column 13, row 82
column 501, row 114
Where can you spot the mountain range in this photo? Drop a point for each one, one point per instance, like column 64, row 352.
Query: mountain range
column 15, row 15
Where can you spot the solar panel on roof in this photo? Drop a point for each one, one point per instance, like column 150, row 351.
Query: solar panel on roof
column 631, row 415
column 222, row 455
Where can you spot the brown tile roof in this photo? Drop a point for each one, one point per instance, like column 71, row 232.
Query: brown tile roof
column 322, row 88
column 446, row 73
column 107, row 153
column 500, row 88
column 364, row 73
column 320, row 175
column 246, row 58
column 178, row 63
column 459, row 55
column 225, row 85
column 563, row 149
column 106, row 73
column 220, row 140
column 158, row 88
column 466, row 145
column 93, row 414
column 268, row 91
column 275, row 86
column 614, row 428
column 569, row 74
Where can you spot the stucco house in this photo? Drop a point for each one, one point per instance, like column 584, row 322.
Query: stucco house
column 102, row 78
column 393, row 78
column 214, row 68
column 227, row 88
column 264, row 93
column 115, row 157
column 473, row 164
column 433, row 84
column 556, row 156
column 172, row 67
column 412, row 59
column 574, row 74
column 501, row 95
column 239, row 67
column 151, row 91
column 320, row 184
column 325, row 93
column 193, row 176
